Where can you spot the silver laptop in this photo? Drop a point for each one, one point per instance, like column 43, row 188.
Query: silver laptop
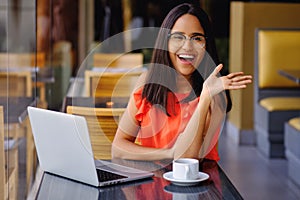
column 64, row 148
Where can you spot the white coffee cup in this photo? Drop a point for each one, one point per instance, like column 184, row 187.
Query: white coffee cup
column 185, row 169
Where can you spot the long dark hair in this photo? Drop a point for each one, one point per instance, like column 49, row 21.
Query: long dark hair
column 161, row 77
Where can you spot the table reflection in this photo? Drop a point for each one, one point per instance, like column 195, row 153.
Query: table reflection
column 293, row 75
column 179, row 192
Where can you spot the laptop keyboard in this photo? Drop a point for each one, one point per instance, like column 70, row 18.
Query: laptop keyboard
column 108, row 176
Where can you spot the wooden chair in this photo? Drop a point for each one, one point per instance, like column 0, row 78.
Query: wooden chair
column 26, row 61
column 31, row 157
column 8, row 166
column 110, row 84
column 129, row 60
column 102, row 124
column 19, row 84
column 16, row 84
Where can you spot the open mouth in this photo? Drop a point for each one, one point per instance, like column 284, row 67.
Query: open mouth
column 186, row 58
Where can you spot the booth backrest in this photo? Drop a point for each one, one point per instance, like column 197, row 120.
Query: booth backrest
column 276, row 49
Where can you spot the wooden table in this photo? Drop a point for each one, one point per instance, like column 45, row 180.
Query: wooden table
column 218, row 186
column 293, row 75
column 15, row 108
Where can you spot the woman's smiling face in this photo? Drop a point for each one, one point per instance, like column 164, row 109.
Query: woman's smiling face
column 187, row 48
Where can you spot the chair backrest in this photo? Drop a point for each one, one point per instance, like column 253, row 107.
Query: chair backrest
column 16, row 84
column 110, row 84
column 276, row 49
column 129, row 60
column 102, row 124
column 8, row 165
column 15, row 72
column 22, row 59
column 2, row 154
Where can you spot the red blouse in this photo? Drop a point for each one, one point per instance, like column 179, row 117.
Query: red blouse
column 159, row 130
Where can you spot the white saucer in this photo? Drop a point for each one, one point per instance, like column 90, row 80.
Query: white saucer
column 169, row 176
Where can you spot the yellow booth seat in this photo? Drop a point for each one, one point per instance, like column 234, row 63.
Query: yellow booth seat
column 292, row 150
column 281, row 103
column 295, row 122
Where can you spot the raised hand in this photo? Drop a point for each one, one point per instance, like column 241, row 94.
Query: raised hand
column 232, row 81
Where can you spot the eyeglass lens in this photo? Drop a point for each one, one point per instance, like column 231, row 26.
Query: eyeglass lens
column 178, row 39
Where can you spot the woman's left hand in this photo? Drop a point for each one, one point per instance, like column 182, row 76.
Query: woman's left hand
column 236, row 80
column 232, row 81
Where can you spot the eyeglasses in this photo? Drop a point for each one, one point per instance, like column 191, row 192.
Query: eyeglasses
column 178, row 39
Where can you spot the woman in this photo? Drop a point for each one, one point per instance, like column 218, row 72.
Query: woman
column 169, row 115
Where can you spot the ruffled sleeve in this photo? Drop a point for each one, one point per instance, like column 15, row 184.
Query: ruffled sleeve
column 142, row 105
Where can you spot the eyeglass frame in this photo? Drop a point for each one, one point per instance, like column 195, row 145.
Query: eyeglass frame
column 189, row 38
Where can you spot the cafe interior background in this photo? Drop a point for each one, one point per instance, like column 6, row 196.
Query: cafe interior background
column 52, row 38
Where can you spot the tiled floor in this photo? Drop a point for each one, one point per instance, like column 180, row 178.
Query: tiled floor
column 255, row 176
